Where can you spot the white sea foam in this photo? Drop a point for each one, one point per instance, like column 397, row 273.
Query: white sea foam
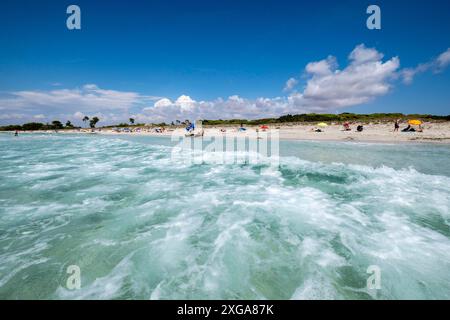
column 144, row 223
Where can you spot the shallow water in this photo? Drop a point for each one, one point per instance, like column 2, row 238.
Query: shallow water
column 141, row 224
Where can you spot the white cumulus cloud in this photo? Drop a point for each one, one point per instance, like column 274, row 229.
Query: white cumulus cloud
column 88, row 99
column 443, row 61
column 436, row 65
column 327, row 87
column 365, row 78
column 290, row 84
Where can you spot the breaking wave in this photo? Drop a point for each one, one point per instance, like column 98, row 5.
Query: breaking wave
column 140, row 224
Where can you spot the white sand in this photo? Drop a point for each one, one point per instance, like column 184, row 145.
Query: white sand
column 433, row 132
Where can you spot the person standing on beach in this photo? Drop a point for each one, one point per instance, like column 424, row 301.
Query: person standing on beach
column 396, row 125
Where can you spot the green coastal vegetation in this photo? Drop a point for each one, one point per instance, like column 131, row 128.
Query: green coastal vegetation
column 318, row 117
column 299, row 118
column 54, row 125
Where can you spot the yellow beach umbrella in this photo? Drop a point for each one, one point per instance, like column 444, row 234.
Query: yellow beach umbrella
column 322, row 124
column 415, row 122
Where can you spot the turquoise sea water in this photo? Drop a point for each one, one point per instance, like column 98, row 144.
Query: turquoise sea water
column 143, row 225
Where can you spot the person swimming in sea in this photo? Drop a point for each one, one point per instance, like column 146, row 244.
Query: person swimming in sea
column 16, row 134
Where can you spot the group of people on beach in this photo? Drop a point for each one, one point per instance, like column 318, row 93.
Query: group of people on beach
column 409, row 128
column 346, row 126
column 360, row 128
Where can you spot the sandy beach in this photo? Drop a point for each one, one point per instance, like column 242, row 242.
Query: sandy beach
column 433, row 132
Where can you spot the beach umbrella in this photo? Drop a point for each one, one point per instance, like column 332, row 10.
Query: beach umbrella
column 415, row 122
column 264, row 127
column 322, row 124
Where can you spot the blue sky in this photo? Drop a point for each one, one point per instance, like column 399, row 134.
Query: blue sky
column 133, row 54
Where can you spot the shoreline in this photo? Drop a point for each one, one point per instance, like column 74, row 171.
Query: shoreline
column 434, row 133
column 288, row 138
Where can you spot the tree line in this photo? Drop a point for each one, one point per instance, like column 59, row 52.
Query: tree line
column 306, row 117
column 54, row 125
column 322, row 117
